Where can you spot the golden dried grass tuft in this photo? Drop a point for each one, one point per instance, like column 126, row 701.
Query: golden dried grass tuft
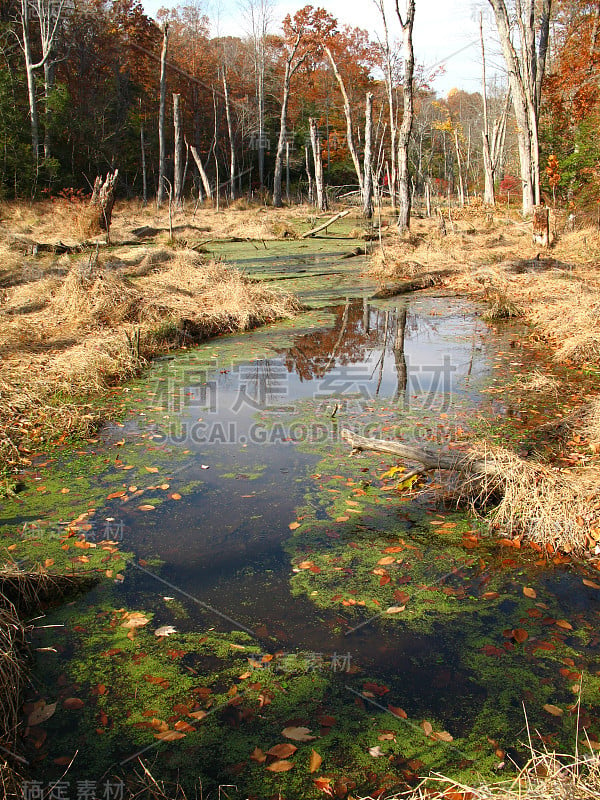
column 528, row 499
column 546, row 776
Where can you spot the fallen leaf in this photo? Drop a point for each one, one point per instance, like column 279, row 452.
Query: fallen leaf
column 376, row 752
column 280, row 766
column 562, row 623
column 175, row 496
column 135, row 620
column 146, row 507
column 443, row 736
column 554, row 710
column 283, row 750
column 42, row 711
column 293, row 526
column 398, row 712
column 529, row 592
column 165, row 630
column 197, row 714
column 386, row 560
column 591, row 584
column 427, row 727
column 395, row 609
column 73, row 703
column 315, row 761
column 169, row 736
column 520, row 635
column 324, row 784
column 298, row 734
column 258, row 756
column 151, row 469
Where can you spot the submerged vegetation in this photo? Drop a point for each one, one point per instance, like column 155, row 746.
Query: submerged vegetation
column 393, row 636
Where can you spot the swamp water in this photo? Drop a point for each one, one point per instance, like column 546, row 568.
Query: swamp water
column 278, row 616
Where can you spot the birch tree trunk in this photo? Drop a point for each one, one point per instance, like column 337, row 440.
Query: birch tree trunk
column 31, row 92
column 349, row 125
column 203, row 175
column 525, row 73
column 290, row 69
column 367, row 196
column 404, row 202
column 160, row 194
column 488, row 169
column 144, row 173
column 318, row 161
column 389, row 85
column 232, row 166
column 177, row 152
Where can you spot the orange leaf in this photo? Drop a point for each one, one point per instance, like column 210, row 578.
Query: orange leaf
column 520, row 635
column 293, row 526
column 258, row 755
column 73, row 703
column 398, row 712
column 529, row 592
column 315, row 761
column 280, row 766
column 562, row 623
column 427, row 727
column 284, row 750
column 169, row 736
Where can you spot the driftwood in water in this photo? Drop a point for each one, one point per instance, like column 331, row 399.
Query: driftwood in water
column 29, row 247
column 326, row 224
column 425, row 281
column 430, row 457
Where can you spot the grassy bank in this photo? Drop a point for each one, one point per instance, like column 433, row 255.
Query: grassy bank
column 550, row 496
column 71, row 326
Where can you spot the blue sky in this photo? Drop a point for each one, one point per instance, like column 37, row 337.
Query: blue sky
column 446, row 31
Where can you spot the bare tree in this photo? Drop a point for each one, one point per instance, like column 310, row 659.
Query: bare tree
column 292, row 65
column 367, row 194
column 258, row 15
column 349, row 123
column 389, row 65
column 177, row 152
column 232, row 165
column 316, row 150
column 160, row 194
column 404, row 199
column 48, row 14
column 529, row 23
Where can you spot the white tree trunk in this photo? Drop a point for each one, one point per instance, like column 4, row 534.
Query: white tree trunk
column 367, row 196
column 160, row 194
column 404, row 204
column 177, row 152
column 232, row 166
column 318, row 161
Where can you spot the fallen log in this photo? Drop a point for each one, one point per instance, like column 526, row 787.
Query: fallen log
column 358, row 251
column 326, row 224
column 425, row 281
column 29, row 247
column 430, row 457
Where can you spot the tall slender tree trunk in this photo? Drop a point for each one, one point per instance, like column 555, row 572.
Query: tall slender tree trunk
column 461, row 187
column 349, row 126
column 232, row 166
column 318, row 161
column 404, row 198
column 144, row 172
column 31, row 90
column 277, row 199
column 49, row 72
column 160, row 194
column 177, row 152
column 367, row 197
column 203, row 175
column 488, row 167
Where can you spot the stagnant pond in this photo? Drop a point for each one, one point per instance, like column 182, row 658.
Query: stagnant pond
column 279, row 616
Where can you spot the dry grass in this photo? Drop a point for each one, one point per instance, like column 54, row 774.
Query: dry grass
column 72, row 326
column 533, row 501
column 558, row 294
column 546, row 776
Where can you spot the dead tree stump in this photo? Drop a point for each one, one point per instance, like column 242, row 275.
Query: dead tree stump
column 541, row 226
column 103, row 199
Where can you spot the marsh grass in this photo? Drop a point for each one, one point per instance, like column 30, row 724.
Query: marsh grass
column 71, row 327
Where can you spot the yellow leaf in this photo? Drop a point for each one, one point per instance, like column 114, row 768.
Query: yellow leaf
column 315, row 761
column 169, row 736
column 151, row 469
column 391, row 473
column 280, row 766
column 554, row 710
column 293, row 526
column 407, row 484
